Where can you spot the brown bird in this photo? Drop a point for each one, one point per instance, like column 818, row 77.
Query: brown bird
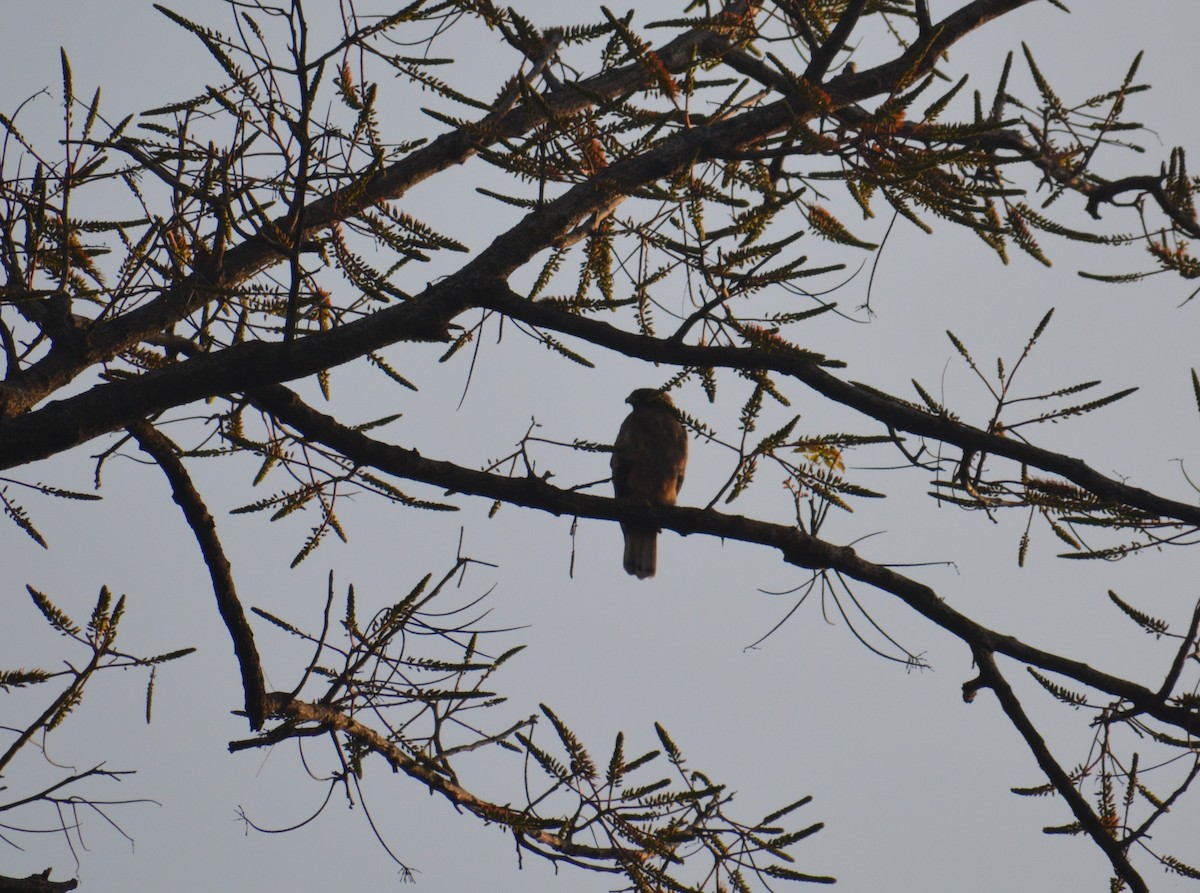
column 648, row 462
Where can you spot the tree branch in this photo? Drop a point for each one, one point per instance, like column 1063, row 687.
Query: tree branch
column 1084, row 814
column 105, row 408
column 1186, row 650
column 521, row 823
column 796, row 546
column 36, row 883
column 879, row 406
column 824, row 56
column 163, row 451
column 24, row 388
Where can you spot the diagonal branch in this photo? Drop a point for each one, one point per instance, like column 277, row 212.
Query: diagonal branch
column 827, row 52
column 796, row 546
column 69, row 695
column 521, row 823
column 23, row 389
column 1186, row 650
column 163, row 451
column 1084, row 814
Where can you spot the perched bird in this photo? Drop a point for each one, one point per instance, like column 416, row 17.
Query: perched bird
column 648, row 462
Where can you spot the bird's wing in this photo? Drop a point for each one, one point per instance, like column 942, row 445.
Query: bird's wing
column 624, row 450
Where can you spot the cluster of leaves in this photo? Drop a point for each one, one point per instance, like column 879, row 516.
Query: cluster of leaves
column 318, row 477
column 669, row 825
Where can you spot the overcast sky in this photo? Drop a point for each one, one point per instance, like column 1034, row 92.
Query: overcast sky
column 911, row 782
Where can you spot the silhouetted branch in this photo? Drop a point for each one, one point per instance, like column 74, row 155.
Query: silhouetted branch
column 795, row 546
column 68, row 422
column 36, row 883
column 204, row 529
column 1104, row 837
column 824, row 56
column 24, row 388
column 1187, row 650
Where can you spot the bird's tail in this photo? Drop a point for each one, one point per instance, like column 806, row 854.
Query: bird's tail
column 641, row 552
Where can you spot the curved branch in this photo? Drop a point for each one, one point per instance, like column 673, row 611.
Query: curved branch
column 1107, row 192
column 163, row 451
column 796, row 546
column 521, row 823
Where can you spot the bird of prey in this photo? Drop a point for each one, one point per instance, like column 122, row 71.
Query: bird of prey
column 648, row 462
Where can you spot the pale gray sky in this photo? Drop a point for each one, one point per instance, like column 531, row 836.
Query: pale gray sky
column 912, row 783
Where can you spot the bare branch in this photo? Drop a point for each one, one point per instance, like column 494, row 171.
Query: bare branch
column 205, row 530
column 823, row 57
column 1084, row 814
column 795, row 546
column 36, row 883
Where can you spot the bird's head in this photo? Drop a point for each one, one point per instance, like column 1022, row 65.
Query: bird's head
column 648, row 397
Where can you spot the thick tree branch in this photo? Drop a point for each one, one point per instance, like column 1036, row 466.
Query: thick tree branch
column 102, row 341
column 36, row 883
column 23, row 389
column 205, row 530
column 796, row 546
column 77, row 419
column 105, row 408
